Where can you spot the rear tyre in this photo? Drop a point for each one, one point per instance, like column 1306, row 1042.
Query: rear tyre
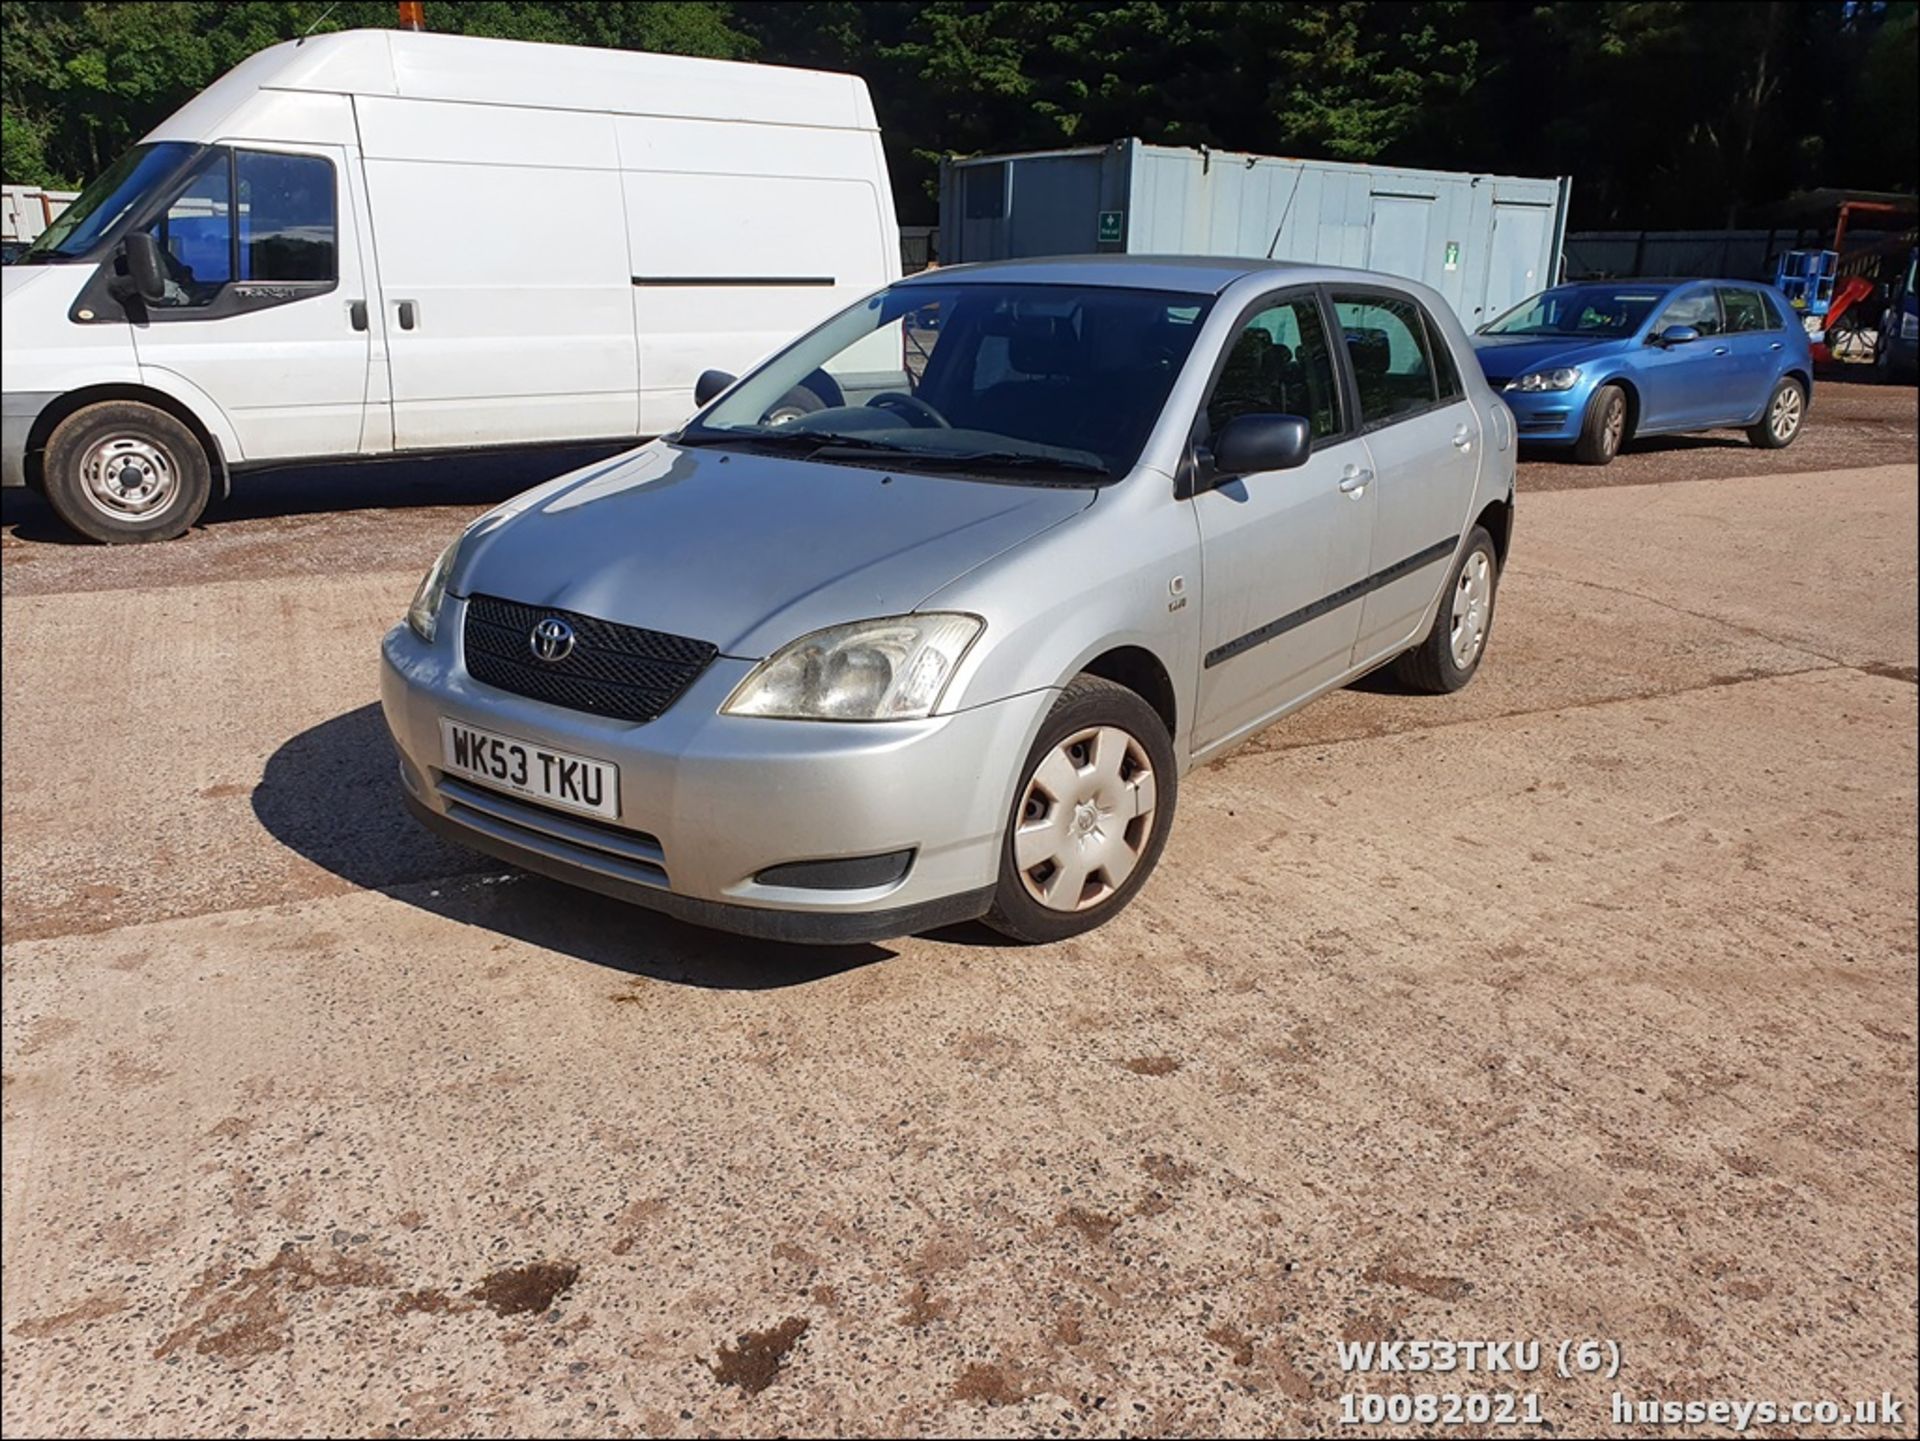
column 1090, row 815
column 1448, row 657
column 121, row 472
column 1780, row 422
column 1604, row 428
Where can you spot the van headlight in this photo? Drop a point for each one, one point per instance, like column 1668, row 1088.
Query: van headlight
column 896, row 668
column 424, row 614
column 1565, row 378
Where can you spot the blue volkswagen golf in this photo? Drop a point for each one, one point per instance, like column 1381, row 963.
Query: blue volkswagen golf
column 1594, row 364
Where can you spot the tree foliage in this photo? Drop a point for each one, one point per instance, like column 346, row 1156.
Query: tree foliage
column 1666, row 112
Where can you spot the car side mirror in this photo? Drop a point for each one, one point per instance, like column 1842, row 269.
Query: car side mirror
column 1677, row 335
column 1248, row 444
column 143, row 266
column 710, row 384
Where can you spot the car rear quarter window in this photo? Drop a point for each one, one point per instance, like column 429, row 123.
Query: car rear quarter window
column 1743, row 310
column 1774, row 320
column 1393, row 365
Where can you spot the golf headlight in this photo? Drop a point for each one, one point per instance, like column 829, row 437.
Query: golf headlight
column 1565, row 378
column 891, row 669
column 424, row 614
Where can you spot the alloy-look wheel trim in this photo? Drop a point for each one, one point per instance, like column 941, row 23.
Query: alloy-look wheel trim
column 1785, row 416
column 1472, row 609
column 1085, row 818
column 126, row 478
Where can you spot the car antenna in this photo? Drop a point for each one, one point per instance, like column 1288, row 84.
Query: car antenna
column 318, row 21
column 1286, row 212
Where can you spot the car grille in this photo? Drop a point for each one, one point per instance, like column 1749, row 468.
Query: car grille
column 621, row 671
column 1498, row 382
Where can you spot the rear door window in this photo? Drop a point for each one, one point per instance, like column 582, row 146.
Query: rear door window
column 1743, row 311
column 1393, row 366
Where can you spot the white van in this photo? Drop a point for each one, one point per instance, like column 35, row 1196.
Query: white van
column 381, row 242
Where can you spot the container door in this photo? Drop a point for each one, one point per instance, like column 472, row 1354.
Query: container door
column 1517, row 254
column 265, row 308
column 1397, row 235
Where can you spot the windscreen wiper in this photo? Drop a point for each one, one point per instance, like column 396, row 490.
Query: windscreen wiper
column 1003, row 460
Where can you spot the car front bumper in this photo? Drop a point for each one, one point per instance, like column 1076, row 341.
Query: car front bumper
column 708, row 802
column 1550, row 417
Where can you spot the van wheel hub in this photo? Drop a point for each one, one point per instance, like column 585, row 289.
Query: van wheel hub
column 124, row 476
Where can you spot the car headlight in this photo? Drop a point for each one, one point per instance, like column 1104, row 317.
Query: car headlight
column 1565, row 378
column 896, row 668
column 424, row 614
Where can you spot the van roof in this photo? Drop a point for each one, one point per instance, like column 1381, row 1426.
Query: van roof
column 426, row 66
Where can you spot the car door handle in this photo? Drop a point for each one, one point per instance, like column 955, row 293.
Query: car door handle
column 1774, row 346
column 408, row 315
column 1354, row 479
column 1720, row 350
column 1463, row 439
column 357, row 314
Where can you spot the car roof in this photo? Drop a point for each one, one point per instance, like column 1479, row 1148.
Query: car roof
column 1196, row 274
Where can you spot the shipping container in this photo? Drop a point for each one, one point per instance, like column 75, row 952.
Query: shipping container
column 1483, row 241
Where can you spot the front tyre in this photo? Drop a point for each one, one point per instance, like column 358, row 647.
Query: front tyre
column 121, row 472
column 1780, row 422
column 1451, row 652
column 1090, row 815
column 1604, row 428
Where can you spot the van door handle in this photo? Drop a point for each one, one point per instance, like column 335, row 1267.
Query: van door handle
column 357, row 314
column 407, row 315
column 1354, row 479
column 1463, row 439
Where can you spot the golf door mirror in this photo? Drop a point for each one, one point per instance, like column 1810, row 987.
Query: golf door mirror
column 1679, row 335
column 1248, row 444
column 143, row 266
column 710, row 384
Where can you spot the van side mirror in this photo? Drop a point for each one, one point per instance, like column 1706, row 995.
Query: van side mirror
column 143, row 266
column 710, row 384
column 1677, row 335
column 1248, row 444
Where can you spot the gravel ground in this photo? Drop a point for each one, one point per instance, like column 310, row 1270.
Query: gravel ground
column 1581, row 1004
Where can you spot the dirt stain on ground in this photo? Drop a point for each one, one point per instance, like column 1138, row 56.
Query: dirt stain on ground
column 429, row 1302
column 93, row 1308
column 756, row 1357
column 1152, row 1065
column 244, row 1316
column 526, row 1290
column 1389, row 1272
column 1234, row 1343
column 1092, row 1225
column 922, row 1308
column 988, row 1386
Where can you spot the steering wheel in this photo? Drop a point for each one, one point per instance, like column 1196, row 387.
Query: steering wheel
column 912, row 409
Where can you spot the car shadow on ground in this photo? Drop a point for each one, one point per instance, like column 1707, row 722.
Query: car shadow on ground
column 332, row 794
column 469, row 481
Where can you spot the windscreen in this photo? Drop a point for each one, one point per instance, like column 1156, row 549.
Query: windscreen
column 96, row 210
column 1047, row 380
column 1596, row 311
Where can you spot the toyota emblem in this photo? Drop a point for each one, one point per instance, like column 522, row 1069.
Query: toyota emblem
column 552, row 639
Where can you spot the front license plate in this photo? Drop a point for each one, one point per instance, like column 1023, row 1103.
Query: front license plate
column 571, row 782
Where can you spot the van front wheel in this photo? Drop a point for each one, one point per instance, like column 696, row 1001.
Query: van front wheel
column 121, row 472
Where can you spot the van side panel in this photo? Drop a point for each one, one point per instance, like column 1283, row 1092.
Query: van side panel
column 741, row 237
column 501, row 232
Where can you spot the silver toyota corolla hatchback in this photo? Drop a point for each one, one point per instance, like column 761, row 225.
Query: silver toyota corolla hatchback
column 924, row 618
